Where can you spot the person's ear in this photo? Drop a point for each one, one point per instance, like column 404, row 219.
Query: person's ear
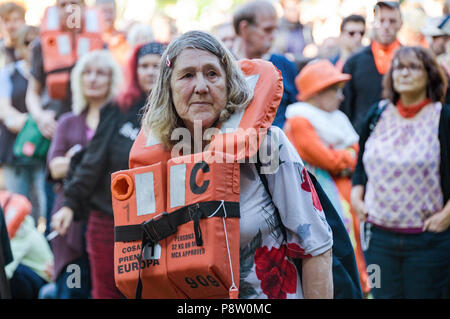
column 243, row 29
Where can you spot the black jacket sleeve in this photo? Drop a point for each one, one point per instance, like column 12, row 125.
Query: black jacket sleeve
column 359, row 175
column 4, row 240
column 444, row 139
column 348, row 102
column 85, row 176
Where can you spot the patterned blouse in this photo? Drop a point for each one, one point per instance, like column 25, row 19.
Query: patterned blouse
column 267, row 270
column 401, row 158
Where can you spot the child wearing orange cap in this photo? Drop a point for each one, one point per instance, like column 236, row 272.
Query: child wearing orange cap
column 327, row 142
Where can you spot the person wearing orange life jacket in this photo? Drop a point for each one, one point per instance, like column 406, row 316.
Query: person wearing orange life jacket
column 69, row 29
column 201, row 90
column 87, row 191
column 116, row 40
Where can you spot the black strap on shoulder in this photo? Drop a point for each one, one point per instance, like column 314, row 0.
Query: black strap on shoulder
column 61, row 70
column 381, row 107
column 345, row 274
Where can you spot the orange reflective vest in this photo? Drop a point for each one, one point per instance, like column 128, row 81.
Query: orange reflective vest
column 61, row 49
column 177, row 219
column 16, row 207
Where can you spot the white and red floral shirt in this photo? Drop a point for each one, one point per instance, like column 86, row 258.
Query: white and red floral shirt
column 267, row 268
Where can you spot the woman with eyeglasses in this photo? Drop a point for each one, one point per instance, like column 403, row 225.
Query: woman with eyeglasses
column 401, row 185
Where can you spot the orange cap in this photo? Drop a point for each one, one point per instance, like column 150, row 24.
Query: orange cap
column 316, row 76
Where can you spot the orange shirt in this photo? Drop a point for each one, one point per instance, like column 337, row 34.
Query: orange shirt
column 313, row 151
column 383, row 55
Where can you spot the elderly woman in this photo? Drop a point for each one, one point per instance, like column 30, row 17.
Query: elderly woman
column 200, row 87
column 95, row 80
column 401, row 185
column 87, row 193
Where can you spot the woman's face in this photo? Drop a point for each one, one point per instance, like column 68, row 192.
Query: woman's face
column 409, row 75
column 96, row 80
column 147, row 71
column 198, row 85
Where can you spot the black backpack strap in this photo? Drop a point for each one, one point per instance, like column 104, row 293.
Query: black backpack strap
column 5, row 258
column 346, row 284
column 345, row 272
column 381, row 107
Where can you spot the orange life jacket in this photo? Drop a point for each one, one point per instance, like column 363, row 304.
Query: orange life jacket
column 184, row 210
column 16, row 207
column 61, row 49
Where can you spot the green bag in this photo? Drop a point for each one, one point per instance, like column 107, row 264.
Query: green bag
column 30, row 143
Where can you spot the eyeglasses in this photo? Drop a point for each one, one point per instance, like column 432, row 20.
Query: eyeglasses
column 413, row 67
column 352, row 33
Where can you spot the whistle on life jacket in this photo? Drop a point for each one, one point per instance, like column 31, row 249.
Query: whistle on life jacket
column 177, row 231
column 16, row 207
column 62, row 49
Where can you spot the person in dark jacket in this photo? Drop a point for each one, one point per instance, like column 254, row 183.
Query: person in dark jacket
column 5, row 257
column 370, row 63
column 401, row 184
column 88, row 190
column 255, row 24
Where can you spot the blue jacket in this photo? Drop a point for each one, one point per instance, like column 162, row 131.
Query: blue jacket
column 289, row 71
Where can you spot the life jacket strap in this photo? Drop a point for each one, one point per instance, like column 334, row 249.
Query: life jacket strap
column 165, row 224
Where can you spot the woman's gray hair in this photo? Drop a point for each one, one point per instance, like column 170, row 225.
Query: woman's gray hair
column 79, row 101
column 160, row 117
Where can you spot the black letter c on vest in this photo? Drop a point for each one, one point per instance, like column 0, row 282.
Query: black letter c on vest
column 194, row 187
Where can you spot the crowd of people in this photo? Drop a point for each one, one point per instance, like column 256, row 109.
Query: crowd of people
column 362, row 133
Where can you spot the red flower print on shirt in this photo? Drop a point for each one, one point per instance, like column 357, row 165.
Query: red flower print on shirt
column 307, row 186
column 278, row 275
column 295, row 251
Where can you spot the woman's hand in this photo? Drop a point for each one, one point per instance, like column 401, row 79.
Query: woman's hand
column 46, row 123
column 62, row 219
column 439, row 221
column 358, row 205
column 59, row 166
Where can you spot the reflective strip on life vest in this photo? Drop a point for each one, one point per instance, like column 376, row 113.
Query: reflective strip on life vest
column 52, row 19
column 177, row 185
column 64, row 44
column 10, row 214
column 92, row 21
column 145, row 194
column 83, row 46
